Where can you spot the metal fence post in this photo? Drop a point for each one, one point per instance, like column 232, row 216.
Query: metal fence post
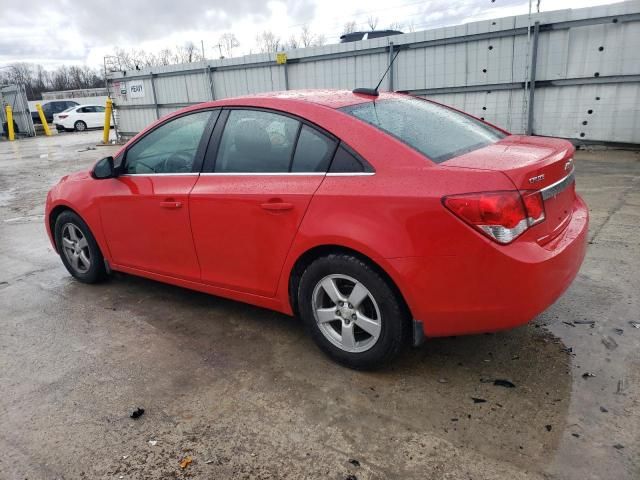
column 286, row 76
column 211, row 87
column 155, row 99
column 532, row 81
column 391, row 66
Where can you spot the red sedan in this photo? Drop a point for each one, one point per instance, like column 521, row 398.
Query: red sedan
column 378, row 220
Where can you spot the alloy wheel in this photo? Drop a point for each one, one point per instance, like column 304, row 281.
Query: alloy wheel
column 346, row 312
column 76, row 248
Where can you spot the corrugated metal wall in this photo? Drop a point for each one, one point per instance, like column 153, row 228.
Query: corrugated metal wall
column 587, row 73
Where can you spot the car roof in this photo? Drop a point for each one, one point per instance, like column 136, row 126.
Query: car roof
column 325, row 97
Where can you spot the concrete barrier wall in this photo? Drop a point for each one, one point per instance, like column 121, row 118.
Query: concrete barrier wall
column 583, row 66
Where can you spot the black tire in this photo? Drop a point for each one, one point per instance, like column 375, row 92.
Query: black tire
column 395, row 322
column 80, row 126
column 96, row 270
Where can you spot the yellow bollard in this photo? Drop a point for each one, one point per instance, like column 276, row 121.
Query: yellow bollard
column 12, row 134
column 107, row 121
column 43, row 119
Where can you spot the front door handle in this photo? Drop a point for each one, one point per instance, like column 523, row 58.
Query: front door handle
column 170, row 204
column 277, row 206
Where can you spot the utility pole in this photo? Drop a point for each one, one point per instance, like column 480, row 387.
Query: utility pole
column 202, row 44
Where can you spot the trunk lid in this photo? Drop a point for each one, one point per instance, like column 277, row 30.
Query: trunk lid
column 532, row 164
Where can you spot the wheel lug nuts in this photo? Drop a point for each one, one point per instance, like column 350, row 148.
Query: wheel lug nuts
column 354, row 316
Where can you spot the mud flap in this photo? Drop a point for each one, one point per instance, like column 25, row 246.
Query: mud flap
column 418, row 333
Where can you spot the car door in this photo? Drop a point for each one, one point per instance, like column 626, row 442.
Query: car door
column 97, row 117
column 145, row 216
column 261, row 170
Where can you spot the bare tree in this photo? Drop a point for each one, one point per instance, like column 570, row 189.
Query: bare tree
column 229, row 42
column 188, row 53
column 412, row 26
column 164, row 56
column 372, row 22
column 306, row 37
column 292, row 43
column 396, row 26
column 349, row 27
column 267, row 42
column 321, row 40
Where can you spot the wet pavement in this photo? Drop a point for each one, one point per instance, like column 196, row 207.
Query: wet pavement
column 245, row 394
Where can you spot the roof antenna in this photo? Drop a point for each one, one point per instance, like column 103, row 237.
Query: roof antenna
column 374, row 91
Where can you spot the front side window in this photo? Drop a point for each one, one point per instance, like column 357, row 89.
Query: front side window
column 255, row 141
column 434, row 130
column 170, row 148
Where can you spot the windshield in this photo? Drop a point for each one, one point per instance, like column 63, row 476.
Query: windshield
column 434, row 130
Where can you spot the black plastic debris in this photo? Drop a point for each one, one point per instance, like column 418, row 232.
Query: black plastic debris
column 619, row 331
column 504, row 383
column 577, row 435
column 603, row 410
column 350, row 477
column 137, row 413
column 354, row 462
column 548, row 427
column 588, row 374
column 569, row 323
column 584, row 322
column 478, row 400
column 618, row 446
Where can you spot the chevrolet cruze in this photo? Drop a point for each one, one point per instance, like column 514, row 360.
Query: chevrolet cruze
column 379, row 220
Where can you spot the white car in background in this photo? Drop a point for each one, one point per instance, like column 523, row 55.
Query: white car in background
column 80, row 117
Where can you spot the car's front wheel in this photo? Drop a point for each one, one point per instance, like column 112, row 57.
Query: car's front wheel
column 78, row 249
column 80, row 126
column 352, row 312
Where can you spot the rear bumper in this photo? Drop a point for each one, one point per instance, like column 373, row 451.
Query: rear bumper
column 503, row 287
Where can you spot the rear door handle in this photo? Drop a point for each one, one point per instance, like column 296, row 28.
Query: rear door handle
column 277, row 206
column 170, row 204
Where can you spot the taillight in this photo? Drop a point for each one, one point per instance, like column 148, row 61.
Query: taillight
column 63, row 116
column 502, row 216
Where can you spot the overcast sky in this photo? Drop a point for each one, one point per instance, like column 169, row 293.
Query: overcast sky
column 53, row 32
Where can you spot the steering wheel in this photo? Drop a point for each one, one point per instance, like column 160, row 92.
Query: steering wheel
column 146, row 165
column 178, row 162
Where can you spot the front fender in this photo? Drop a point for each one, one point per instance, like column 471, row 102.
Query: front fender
column 78, row 193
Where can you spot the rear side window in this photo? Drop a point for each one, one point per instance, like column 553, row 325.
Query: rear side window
column 345, row 161
column 434, row 130
column 313, row 151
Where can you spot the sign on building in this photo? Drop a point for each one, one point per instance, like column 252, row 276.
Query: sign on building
column 135, row 88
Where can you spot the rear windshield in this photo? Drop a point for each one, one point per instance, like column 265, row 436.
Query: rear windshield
column 436, row 131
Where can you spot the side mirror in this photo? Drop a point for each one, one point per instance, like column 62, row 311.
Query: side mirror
column 104, row 169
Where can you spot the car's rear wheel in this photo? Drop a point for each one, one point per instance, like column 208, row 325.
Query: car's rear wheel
column 80, row 126
column 352, row 312
column 78, row 249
